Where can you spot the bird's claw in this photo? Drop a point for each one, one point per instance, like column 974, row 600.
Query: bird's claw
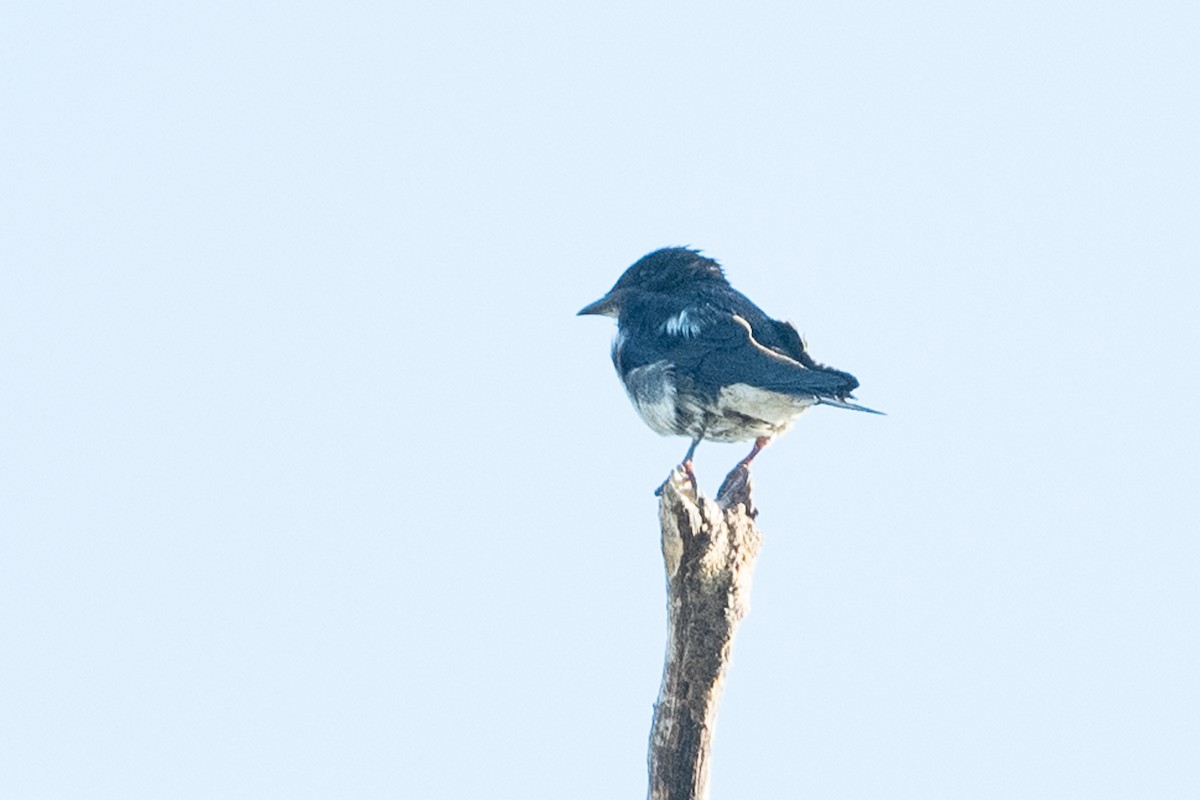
column 686, row 466
column 687, row 470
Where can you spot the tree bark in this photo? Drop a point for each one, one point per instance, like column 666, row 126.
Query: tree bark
column 709, row 550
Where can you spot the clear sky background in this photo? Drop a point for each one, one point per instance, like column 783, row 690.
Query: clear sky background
column 314, row 486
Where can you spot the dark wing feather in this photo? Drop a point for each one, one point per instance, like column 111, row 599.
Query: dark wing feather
column 726, row 350
column 782, row 337
column 730, row 340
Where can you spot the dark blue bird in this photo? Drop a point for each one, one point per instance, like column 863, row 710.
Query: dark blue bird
column 698, row 359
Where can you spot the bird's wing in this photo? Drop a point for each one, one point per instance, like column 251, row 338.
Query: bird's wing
column 790, row 343
column 724, row 350
column 777, row 335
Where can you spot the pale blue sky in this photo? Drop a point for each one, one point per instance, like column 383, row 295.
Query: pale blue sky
column 314, row 486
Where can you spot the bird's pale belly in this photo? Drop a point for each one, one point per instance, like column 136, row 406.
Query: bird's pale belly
column 738, row 413
column 746, row 412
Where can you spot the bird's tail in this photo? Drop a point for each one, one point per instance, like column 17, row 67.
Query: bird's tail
column 838, row 402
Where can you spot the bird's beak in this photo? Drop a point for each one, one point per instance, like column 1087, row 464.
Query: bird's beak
column 606, row 306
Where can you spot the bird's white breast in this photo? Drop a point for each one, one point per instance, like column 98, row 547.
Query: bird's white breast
column 652, row 390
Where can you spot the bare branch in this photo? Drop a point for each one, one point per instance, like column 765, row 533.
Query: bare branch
column 709, row 550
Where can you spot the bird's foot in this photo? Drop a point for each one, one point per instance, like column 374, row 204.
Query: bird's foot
column 686, row 466
column 691, row 473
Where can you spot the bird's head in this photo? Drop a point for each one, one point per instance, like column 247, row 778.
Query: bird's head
column 668, row 271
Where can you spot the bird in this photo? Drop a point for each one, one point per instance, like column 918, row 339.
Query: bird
column 699, row 359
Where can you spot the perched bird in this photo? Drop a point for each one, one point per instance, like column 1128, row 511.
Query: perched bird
column 699, row 359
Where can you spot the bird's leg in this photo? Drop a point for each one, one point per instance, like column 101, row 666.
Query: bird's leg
column 759, row 444
column 687, row 458
column 687, row 462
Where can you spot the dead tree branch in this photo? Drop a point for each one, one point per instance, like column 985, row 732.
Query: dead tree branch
column 709, row 550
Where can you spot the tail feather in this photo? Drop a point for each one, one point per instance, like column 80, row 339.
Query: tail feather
column 838, row 402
